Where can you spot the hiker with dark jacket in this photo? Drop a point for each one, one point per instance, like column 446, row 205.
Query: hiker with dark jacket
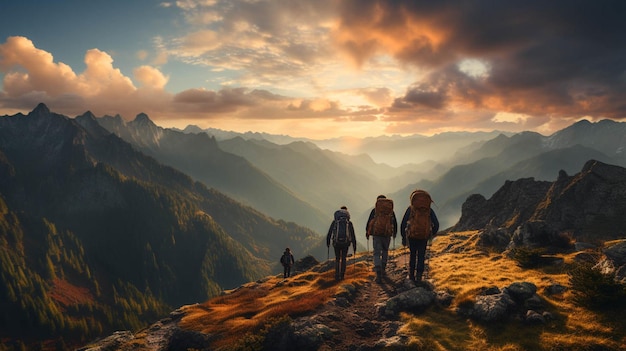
column 287, row 261
column 381, row 226
column 341, row 235
column 419, row 225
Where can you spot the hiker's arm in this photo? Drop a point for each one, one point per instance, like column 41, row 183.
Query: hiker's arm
column 368, row 223
column 434, row 221
column 405, row 220
column 353, row 236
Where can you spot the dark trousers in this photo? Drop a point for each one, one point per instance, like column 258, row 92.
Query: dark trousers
column 418, row 255
column 286, row 270
column 341, row 254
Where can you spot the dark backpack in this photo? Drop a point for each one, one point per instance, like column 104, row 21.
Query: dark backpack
column 382, row 223
column 419, row 224
column 341, row 235
column 285, row 259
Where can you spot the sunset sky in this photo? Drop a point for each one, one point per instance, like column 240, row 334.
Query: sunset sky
column 319, row 68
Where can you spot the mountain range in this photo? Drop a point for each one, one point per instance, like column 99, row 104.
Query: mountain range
column 472, row 163
column 106, row 223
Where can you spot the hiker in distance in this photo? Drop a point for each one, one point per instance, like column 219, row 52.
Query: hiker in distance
column 341, row 235
column 419, row 225
column 381, row 226
column 287, row 261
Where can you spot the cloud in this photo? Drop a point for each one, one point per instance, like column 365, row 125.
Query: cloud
column 554, row 58
column 401, row 66
column 32, row 76
column 150, row 77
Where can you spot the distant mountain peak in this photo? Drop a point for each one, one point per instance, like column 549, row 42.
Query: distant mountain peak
column 40, row 110
column 143, row 119
column 87, row 115
column 193, row 129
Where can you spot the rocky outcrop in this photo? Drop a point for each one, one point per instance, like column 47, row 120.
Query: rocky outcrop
column 588, row 205
column 614, row 260
column 518, row 300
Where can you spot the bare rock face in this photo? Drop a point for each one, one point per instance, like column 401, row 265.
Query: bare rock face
column 588, row 205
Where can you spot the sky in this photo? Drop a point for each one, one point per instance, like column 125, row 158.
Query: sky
column 319, row 69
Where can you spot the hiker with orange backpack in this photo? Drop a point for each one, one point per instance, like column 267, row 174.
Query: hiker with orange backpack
column 381, row 226
column 419, row 224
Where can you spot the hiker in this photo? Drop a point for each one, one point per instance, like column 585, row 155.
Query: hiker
column 381, row 226
column 287, row 261
column 341, row 235
column 419, row 225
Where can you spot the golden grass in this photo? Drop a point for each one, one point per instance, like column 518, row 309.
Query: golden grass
column 459, row 267
column 464, row 270
column 249, row 308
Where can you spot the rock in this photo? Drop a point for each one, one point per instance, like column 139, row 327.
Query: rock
column 533, row 317
column 111, row 342
column 520, row 291
column 493, row 290
column 491, row 308
column 411, row 300
column 534, row 303
column 309, row 336
column 617, row 253
column 555, row 289
column 188, row 339
column 443, row 298
column 393, row 342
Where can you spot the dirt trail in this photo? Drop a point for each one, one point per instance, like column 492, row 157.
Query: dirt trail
column 357, row 325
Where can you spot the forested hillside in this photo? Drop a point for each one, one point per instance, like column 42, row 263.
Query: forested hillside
column 96, row 236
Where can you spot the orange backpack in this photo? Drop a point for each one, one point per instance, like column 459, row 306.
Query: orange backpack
column 382, row 223
column 419, row 224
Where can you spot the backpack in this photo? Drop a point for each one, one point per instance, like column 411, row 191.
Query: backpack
column 341, row 236
column 382, row 223
column 419, row 223
column 285, row 259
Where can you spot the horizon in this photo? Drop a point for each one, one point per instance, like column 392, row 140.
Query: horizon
column 319, row 70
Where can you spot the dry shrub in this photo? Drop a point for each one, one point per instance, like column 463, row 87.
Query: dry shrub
column 594, row 289
column 527, row 257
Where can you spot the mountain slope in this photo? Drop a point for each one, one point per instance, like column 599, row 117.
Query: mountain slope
column 200, row 157
column 320, row 177
column 81, row 208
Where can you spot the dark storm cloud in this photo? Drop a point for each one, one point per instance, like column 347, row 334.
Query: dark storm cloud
column 565, row 58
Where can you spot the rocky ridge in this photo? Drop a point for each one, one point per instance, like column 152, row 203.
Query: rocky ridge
column 586, row 206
